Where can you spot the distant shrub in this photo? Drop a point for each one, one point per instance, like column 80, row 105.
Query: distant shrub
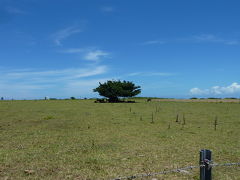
column 100, row 101
column 129, row 101
column 193, row 98
column 214, row 98
column 72, row 98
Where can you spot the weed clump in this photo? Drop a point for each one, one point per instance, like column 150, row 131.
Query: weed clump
column 48, row 117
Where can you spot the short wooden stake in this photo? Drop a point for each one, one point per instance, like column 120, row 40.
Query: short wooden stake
column 215, row 123
column 184, row 120
column 177, row 118
column 152, row 119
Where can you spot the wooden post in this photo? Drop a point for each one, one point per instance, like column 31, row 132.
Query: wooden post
column 184, row 120
column 215, row 123
column 206, row 170
column 177, row 118
column 152, row 119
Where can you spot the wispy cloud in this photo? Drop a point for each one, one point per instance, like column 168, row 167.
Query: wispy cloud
column 95, row 55
column 153, row 42
column 75, row 87
column 150, row 74
column 73, row 50
column 107, row 9
column 14, row 10
column 63, row 34
column 217, row 90
column 55, row 75
column 90, row 54
column 200, row 38
column 19, row 83
column 210, row 38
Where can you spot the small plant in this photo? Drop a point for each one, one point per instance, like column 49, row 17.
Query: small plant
column 93, row 144
column 48, row 117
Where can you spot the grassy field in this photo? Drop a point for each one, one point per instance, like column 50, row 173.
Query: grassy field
column 79, row 139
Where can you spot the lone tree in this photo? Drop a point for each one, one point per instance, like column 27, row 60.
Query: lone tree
column 113, row 90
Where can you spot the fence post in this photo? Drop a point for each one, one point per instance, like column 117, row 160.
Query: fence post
column 206, row 170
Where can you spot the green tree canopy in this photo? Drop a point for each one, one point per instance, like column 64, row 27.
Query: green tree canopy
column 113, row 90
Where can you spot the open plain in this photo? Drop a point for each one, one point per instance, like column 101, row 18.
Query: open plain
column 80, row 139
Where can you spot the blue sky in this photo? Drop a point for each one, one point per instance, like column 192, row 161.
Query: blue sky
column 63, row 48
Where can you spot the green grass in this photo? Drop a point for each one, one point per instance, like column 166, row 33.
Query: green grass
column 79, row 139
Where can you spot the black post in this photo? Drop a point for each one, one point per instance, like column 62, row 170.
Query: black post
column 206, row 170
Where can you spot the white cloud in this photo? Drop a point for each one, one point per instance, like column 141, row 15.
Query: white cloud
column 95, row 55
column 197, row 91
column 62, row 34
column 217, row 90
